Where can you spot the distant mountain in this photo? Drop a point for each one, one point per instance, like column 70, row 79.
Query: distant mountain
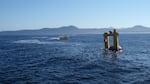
column 136, row 29
column 43, row 31
column 74, row 30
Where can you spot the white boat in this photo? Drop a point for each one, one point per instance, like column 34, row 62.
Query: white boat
column 63, row 37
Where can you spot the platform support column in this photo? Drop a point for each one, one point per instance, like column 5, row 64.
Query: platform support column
column 106, row 40
column 115, row 38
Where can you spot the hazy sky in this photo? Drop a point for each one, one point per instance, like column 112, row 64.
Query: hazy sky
column 35, row 14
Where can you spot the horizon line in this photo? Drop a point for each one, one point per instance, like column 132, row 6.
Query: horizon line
column 74, row 26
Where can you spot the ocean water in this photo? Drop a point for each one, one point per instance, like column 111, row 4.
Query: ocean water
column 79, row 60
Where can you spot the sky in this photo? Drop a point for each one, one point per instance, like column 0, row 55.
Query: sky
column 36, row 14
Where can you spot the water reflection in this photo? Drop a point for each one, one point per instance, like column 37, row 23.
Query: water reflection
column 113, row 54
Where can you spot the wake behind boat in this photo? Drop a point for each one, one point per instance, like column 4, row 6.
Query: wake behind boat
column 63, row 37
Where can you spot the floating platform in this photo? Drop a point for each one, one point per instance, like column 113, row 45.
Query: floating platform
column 116, row 46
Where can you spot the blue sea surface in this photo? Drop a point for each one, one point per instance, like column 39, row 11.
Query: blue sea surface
column 78, row 60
